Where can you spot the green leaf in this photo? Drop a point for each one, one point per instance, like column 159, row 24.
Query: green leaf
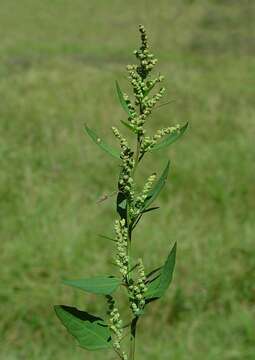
column 91, row 332
column 110, row 150
column 157, row 188
column 136, row 220
column 169, row 139
column 158, row 286
column 150, row 209
column 129, row 126
column 122, row 100
column 164, row 104
column 106, row 237
column 153, row 275
column 104, row 285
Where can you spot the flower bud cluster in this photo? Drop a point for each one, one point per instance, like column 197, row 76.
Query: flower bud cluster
column 126, row 183
column 149, row 142
column 147, row 59
column 122, row 259
column 137, row 124
column 116, row 324
column 146, row 103
column 137, row 83
column 138, row 290
column 121, row 138
column 139, row 76
column 149, row 103
column 151, row 83
column 140, row 199
column 131, row 108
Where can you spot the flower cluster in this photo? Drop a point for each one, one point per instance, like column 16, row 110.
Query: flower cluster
column 137, row 124
column 131, row 108
column 121, row 138
column 150, row 142
column 121, row 239
column 137, row 83
column 116, row 324
column 139, row 76
column 125, row 183
column 137, row 291
column 147, row 59
column 149, row 103
column 138, row 203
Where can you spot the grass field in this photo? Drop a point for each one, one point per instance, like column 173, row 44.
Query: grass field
column 59, row 60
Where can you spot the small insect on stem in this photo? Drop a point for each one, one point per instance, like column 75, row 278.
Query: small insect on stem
column 105, row 197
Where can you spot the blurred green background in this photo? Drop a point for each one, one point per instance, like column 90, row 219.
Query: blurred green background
column 59, row 60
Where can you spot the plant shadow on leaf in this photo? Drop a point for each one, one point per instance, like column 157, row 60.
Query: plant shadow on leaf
column 82, row 315
column 122, row 205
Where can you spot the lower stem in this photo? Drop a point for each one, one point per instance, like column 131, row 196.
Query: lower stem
column 132, row 338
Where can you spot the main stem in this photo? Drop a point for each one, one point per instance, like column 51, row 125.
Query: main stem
column 135, row 319
column 132, row 338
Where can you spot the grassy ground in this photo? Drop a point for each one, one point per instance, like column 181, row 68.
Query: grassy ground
column 59, row 60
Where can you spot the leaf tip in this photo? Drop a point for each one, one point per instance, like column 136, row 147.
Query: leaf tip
column 56, row 308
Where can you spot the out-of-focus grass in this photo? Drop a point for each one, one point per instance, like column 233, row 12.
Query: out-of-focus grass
column 59, row 63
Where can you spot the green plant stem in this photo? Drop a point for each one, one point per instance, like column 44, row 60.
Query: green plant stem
column 129, row 247
column 138, row 145
column 135, row 319
column 132, row 338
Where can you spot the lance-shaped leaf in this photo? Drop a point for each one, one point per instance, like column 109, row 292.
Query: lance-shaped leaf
column 91, row 332
column 150, row 209
column 153, row 193
column 106, row 237
column 160, row 283
column 153, row 275
column 104, row 285
column 122, row 100
column 110, row 150
column 139, row 216
column 169, row 139
column 129, row 126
